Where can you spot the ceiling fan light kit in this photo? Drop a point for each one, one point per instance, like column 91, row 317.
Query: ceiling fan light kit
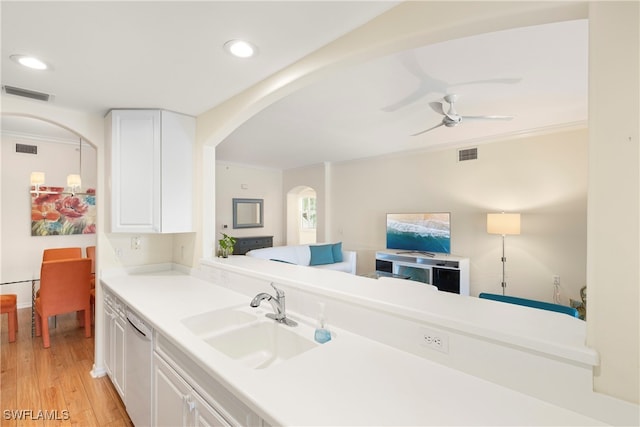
column 451, row 117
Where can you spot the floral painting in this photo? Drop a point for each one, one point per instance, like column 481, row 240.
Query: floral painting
column 54, row 213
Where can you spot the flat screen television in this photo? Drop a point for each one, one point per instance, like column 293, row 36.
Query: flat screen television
column 419, row 232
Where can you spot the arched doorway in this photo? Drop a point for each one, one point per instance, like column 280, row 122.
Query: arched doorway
column 302, row 218
column 31, row 144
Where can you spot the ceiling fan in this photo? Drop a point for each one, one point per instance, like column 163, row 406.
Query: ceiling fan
column 428, row 84
column 452, row 118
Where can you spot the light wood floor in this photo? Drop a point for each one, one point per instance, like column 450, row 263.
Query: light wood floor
column 45, row 384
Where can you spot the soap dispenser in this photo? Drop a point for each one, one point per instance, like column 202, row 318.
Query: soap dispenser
column 322, row 334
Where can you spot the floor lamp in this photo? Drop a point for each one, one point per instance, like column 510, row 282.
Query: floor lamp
column 503, row 224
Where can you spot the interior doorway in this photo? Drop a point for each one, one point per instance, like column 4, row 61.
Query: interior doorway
column 302, row 218
column 33, row 144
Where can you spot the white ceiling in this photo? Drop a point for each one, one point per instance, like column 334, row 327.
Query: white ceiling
column 374, row 108
column 157, row 54
column 169, row 55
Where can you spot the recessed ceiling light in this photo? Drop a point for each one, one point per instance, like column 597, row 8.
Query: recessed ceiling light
column 240, row 48
column 30, row 62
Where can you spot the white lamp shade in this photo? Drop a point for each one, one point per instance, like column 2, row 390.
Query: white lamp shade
column 37, row 178
column 74, row 181
column 503, row 223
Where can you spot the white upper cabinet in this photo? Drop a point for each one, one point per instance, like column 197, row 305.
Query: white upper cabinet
column 151, row 162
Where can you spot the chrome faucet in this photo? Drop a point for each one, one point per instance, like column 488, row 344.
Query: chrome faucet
column 278, row 303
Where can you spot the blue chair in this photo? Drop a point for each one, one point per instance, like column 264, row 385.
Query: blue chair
column 531, row 303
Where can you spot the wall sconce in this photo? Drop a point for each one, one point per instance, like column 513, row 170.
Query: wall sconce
column 504, row 224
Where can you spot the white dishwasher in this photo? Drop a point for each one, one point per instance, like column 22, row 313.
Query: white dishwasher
column 138, row 359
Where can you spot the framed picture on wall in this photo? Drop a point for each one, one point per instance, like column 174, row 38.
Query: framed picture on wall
column 56, row 213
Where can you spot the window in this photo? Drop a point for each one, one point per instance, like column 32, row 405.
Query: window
column 308, row 213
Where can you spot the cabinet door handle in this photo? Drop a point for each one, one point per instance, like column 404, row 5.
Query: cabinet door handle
column 190, row 403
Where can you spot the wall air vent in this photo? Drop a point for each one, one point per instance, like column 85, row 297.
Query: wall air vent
column 467, row 154
column 24, row 148
column 26, row 93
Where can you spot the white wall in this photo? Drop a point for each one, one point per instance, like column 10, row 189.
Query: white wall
column 614, row 190
column 21, row 252
column 246, row 182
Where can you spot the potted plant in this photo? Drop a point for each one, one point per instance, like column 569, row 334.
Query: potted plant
column 226, row 245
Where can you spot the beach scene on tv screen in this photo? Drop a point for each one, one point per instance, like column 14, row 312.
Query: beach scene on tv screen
column 428, row 232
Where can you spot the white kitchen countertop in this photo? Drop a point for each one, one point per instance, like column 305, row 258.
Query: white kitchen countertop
column 543, row 331
column 350, row 380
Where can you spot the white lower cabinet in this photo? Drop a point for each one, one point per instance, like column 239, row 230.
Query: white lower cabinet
column 170, row 400
column 114, row 334
column 204, row 415
column 178, row 400
column 176, row 403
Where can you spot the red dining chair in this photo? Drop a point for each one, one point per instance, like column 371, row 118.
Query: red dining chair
column 8, row 305
column 64, row 288
column 54, row 254
column 61, row 253
column 91, row 254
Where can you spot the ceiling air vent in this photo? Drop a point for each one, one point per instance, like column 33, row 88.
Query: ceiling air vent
column 26, row 93
column 24, row 148
column 467, row 154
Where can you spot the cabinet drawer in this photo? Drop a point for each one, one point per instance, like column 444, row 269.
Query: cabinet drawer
column 245, row 244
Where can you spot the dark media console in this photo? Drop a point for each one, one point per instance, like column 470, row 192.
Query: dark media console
column 245, row 244
column 449, row 273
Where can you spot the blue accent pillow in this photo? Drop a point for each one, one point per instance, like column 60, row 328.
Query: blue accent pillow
column 336, row 248
column 321, row 254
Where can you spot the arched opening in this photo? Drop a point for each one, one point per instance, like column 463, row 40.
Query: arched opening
column 302, row 218
column 31, row 144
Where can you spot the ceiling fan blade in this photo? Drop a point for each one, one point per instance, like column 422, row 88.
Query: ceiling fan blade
column 426, row 83
column 409, row 99
column 487, row 117
column 473, row 82
column 438, row 108
column 410, row 62
column 427, row 130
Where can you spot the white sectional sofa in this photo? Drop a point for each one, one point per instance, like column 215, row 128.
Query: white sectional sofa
column 328, row 256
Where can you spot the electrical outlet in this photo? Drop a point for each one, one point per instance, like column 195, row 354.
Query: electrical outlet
column 435, row 340
column 556, row 280
column 135, row 243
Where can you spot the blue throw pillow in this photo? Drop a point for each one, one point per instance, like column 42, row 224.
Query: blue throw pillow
column 321, row 254
column 336, row 248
